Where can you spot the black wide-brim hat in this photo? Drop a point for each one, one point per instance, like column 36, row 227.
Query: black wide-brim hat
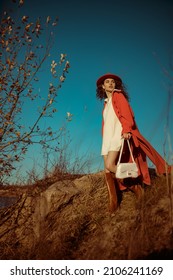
column 108, row 76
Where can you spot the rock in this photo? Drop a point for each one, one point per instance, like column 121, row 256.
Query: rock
column 70, row 220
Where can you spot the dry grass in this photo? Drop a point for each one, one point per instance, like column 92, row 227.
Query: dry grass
column 70, row 220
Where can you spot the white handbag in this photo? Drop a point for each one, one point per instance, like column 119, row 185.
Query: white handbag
column 126, row 170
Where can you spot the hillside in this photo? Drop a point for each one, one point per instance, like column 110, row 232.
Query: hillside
column 70, row 220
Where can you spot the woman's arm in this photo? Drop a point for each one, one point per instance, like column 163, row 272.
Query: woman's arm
column 125, row 114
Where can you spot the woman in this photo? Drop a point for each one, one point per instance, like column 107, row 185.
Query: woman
column 119, row 123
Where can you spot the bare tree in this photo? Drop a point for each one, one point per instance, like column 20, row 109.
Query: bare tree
column 21, row 57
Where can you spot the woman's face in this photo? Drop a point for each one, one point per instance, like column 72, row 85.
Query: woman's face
column 109, row 85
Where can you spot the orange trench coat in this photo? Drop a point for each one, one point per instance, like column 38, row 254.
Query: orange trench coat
column 140, row 146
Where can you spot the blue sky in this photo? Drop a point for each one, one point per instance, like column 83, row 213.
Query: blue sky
column 124, row 37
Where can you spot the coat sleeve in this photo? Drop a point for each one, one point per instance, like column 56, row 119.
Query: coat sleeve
column 124, row 113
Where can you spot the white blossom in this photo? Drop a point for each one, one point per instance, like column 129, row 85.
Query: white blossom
column 62, row 78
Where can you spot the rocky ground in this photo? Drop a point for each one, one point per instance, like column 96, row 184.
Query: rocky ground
column 69, row 219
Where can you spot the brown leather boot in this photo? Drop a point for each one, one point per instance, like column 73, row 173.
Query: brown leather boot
column 112, row 192
column 138, row 191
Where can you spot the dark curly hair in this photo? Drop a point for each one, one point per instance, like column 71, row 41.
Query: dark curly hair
column 101, row 94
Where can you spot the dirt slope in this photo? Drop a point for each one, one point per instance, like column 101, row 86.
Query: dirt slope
column 70, row 220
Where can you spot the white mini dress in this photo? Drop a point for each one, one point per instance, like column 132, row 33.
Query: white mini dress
column 112, row 129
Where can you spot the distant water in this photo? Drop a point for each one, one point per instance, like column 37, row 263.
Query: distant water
column 6, row 201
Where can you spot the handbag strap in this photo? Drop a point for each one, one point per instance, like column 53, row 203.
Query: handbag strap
column 121, row 150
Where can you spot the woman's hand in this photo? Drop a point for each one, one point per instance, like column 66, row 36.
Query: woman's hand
column 127, row 135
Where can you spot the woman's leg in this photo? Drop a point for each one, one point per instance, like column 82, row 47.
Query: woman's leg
column 138, row 191
column 109, row 162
